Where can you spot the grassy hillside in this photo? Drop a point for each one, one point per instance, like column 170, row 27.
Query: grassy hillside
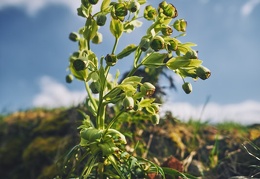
column 34, row 142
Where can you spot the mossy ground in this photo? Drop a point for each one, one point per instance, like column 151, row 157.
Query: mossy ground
column 34, row 141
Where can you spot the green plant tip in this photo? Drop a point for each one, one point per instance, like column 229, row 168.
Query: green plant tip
column 203, row 72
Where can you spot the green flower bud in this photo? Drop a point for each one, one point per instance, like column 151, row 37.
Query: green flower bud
column 168, row 10
column 172, row 45
column 74, row 56
column 144, row 44
column 157, row 43
column 79, row 65
column 187, row 87
column 97, row 39
column 150, row 13
column 134, row 6
column 148, row 89
column 74, row 36
column 69, row 78
column 180, row 25
column 203, row 72
column 155, row 118
column 120, row 10
column 167, row 31
column 111, row 59
column 192, row 54
column 101, row 19
column 128, row 103
column 93, row 1
column 163, row 4
column 94, row 87
column 85, row 3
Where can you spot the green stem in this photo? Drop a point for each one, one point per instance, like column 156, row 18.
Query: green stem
column 115, row 45
column 115, row 118
column 102, row 106
column 133, row 70
column 113, row 121
column 91, row 96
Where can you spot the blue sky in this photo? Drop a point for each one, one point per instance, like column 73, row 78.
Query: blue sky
column 34, row 51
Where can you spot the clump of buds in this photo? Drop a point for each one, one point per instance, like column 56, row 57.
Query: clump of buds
column 167, row 9
column 180, row 25
column 203, row 72
column 150, row 13
column 119, row 11
column 147, row 89
column 187, row 88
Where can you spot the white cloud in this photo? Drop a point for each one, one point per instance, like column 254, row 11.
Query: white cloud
column 248, row 7
column 247, row 112
column 33, row 6
column 54, row 94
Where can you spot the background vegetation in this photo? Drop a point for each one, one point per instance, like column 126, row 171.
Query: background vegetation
column 34, row 142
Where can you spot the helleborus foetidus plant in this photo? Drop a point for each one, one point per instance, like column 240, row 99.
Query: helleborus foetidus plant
column 102, row 148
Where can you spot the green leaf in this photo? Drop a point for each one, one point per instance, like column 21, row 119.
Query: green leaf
column 142, row 2
column 128, row 89
column 113, row 93
column 90, row 29
column 129, row 27
column 155, row 59
column 127, row 51
column 91, row 107
column 146, row 102
column 138, row 53
column 177, row 62
column 186, row 47
column 115, row 165
column 176, row 173
column 150, row 109
column 195, row 62
column 184, row 72
column 116, row 28
column 134, row 80
column 104, row 5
